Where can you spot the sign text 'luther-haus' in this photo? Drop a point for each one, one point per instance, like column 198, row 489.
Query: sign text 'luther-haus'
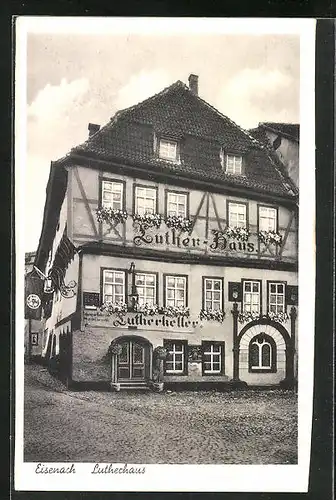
column 138, row 320
column 217, row 241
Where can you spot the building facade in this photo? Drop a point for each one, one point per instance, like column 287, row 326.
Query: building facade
column 170, row 245
column 284, row 141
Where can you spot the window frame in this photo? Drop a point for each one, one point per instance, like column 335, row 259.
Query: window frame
column 173, row 275
column 271, row 341
column 243, row 280
column 219, row 278
column 166, row 343
column 221, row 344
column 156, row 274
column 245, row 203
column 234, row 155
column 170, row 140
column 146, row 186
column 276, row 282
column 102, row 270
column 263, row 205
column 123, row 194
column 173, row 191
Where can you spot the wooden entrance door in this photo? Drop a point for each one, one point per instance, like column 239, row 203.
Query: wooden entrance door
column 131, row 361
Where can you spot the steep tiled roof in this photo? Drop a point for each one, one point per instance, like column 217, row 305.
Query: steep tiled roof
column 202, row 131
column 291, row 130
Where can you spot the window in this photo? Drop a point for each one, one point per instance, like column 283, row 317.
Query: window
column 177, row 204
column 176, row 360
column 176, row 291
column 112, row 195
column 113, row 286
column 145, row 200
column 251, row 296
column 213, row 358
column 237, row 214
column 146, row 287
column 262, row 354
column 276, row 297
column 233, row 164
column 168, row 150
column 267, row 219
column 213, row 294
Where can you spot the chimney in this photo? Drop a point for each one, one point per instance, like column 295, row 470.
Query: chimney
column 193, row 83
column 93, row 128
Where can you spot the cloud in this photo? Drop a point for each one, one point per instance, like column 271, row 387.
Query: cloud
column 253, row 95
column 54, row 101
column 53, row 118
column 141, row 86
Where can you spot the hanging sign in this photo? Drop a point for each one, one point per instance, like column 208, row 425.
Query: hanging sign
column 33, row 296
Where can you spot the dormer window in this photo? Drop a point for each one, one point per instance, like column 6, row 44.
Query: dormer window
column 234, row 164
column 231, row 163
column 168, row 150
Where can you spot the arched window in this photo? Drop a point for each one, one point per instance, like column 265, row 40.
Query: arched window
column 262, row 354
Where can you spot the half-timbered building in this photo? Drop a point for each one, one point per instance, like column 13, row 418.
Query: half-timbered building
column 169, row 243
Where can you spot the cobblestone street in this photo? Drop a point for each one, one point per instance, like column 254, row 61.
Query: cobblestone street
column 239, row 427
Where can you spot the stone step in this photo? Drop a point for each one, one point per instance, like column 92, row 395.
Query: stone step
column 134, row 385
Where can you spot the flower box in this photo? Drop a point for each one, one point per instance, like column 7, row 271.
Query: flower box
column 278, row 317
column 147, row 220
column 179, row 223
column 114, row 308
column 244, row 317
column 146, row 309
column 215, row 315
column 110, row 216
column 234, row 233
column 174, row 312
column 269, row 237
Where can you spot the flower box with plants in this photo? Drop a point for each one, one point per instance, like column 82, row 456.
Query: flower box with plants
column 269, row 237
column 119, row 308
column 178, row 222
column 212, row 314
column 233, row 232
column 174, row 311
column 279, row 317
column 237, row 233
column 147, row 220
column 246, row 316
column 111, row 216
column 160, row 352
column 146, row 309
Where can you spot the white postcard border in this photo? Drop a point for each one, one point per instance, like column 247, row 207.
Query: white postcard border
column 266, row 478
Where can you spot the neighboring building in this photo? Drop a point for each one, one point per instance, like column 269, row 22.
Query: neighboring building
column 284, row 139
column 33, row 327
column 185, row 269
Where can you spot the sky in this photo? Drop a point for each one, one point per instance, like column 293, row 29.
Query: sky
column 74, row 79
